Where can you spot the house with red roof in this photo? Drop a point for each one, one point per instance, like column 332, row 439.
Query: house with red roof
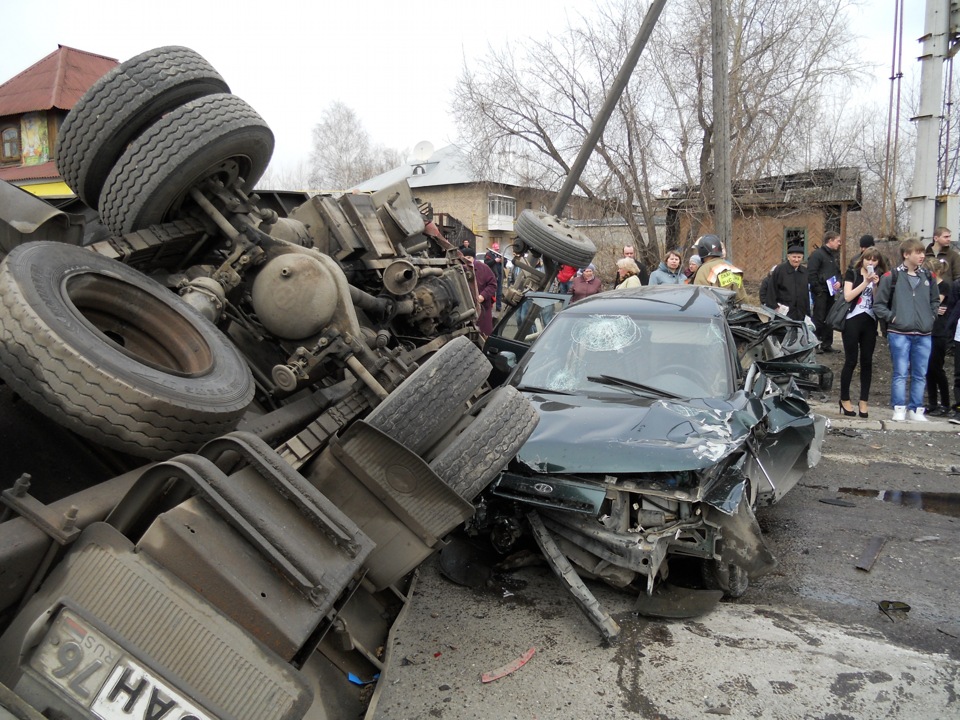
column 33, row 105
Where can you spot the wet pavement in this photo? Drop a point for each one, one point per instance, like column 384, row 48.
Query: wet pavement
column 811, row 639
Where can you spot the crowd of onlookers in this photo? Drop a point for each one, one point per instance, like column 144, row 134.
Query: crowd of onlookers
column 915, row 304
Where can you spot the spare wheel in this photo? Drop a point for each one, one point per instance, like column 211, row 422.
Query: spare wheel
column 114, row 356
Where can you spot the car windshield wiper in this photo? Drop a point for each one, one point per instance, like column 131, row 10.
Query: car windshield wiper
column 631, row 384
column 534, row 388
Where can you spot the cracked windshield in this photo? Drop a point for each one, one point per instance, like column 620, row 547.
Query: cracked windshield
column 624, row 353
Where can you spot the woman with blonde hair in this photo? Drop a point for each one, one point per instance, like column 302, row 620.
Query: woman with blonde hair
column 629, row 274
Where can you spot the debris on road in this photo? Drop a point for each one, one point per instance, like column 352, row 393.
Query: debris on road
column 838, row 502
column 508, row 668
column 871, row 552
column 894, row 607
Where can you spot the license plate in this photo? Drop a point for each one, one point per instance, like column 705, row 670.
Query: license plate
column 96, row 673
column 133, row 692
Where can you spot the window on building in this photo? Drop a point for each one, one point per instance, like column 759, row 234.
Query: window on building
column 11, row 144
column 794, row 236
column 503, row 205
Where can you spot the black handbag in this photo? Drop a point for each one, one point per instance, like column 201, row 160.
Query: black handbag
column 837, row 314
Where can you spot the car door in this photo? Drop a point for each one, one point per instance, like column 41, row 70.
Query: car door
column 517, row 330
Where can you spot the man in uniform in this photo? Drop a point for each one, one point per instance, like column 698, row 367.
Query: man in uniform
column 715, row 270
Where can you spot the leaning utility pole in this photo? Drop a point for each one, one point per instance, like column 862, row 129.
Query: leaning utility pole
column 609, row 104
column 722, row 201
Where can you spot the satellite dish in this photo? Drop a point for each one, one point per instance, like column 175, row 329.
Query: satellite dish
column 422, row 151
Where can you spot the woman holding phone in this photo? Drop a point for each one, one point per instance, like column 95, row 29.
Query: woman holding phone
column 860, row 328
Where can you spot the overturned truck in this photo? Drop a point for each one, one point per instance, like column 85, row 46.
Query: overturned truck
column 305, row 388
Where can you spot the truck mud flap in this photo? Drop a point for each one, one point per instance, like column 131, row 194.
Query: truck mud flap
column 392, row 495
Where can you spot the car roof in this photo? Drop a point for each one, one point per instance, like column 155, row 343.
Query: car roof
column 693, row 301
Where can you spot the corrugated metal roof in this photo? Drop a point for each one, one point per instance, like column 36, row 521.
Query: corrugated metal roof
column 43, row 171
column 447, row 166
column 57, row 81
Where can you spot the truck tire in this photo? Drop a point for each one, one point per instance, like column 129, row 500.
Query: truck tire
column 428, row 402
column 556, row 239
column 120, row 106
column 213, row 137
column 476, row 455
column 114, row 356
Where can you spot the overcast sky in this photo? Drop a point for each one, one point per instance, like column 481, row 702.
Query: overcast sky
column 394, row 63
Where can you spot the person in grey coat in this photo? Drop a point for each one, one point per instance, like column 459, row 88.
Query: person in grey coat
column 669, row 272
column 908, row 299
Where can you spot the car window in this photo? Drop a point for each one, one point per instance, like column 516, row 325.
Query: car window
column 687, row 358
column 530, row 319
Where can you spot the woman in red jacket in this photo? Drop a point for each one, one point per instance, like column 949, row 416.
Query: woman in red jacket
column 565, row 278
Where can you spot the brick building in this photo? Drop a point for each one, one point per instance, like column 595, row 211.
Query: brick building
column 482, row 209
column 771, row 214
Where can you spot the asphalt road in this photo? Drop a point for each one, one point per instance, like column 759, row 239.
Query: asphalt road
column 806, row 641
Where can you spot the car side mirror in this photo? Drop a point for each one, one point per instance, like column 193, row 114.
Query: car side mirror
column 504, row 361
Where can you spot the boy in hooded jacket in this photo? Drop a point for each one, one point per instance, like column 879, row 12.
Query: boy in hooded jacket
column 908, row 299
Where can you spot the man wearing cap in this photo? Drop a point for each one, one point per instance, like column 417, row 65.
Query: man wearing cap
column 789, row 285
column 866, row 241
column 494, row 260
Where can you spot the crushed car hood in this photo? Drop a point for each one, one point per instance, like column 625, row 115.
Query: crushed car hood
column 590, row 434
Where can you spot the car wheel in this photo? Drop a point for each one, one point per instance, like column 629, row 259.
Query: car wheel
column 476, row 455
column 113, row 355
column 732, row 579
column 554, row 238
column 214, row 137
column 427, row 403
column 120, row 106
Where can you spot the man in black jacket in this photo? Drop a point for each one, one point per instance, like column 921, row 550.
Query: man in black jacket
column 824, row 266
column 788, row 286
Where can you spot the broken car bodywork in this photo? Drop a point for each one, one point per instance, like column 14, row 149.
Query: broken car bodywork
column 654, row 440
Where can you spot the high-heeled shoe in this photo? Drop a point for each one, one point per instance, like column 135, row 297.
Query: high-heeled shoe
column 848, row 413
column 863, row 413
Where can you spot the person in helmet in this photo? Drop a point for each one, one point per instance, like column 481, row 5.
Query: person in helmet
column 715, row 270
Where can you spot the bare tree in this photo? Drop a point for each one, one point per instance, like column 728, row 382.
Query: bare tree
column 283, row 177
column 342, row 154
column 530, row 111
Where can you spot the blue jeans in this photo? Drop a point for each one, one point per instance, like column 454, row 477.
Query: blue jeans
column 909, row 354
